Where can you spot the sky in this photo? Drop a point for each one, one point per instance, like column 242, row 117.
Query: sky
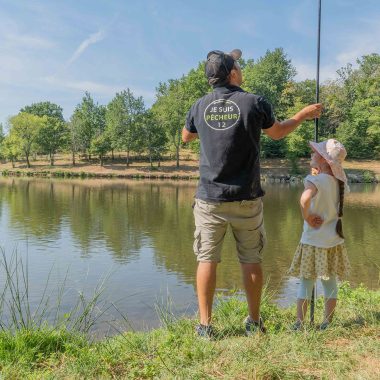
column 56, row 50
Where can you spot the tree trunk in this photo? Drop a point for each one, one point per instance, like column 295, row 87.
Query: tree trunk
column 13, row 163
column 112, row 155
column 178, row 146
column 73, row 158
column 127, row 158
column 51, row 159
column 27, row 160
column 101, row 160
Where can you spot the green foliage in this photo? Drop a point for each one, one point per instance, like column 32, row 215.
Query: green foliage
column 10, row 148
column 174, row 100
column 25, row 128
column 123, row 122
column 52, row 136
column 86, row 121
column 155, row 138
column 2, row 135
column 269, row 77
column 351, row 113
column 100, row 146
column 355, row 103
column 297, row 142
column 368, row 176
column 44, row 109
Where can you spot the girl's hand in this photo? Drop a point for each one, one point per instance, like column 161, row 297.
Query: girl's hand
column 314, row 221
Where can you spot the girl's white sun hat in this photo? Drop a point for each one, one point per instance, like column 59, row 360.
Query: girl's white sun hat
column 334, row 153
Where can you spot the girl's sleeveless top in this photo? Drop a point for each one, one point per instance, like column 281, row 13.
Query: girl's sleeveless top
column 325, row 204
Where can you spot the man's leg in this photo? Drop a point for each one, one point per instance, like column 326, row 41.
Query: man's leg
column 206, row 282
column 253, row 284
column 209, row 235
column 248, row 229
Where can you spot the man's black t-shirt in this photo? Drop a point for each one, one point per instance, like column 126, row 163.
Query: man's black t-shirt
column 229, row 122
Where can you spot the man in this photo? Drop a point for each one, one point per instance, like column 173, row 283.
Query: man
column 228, row 123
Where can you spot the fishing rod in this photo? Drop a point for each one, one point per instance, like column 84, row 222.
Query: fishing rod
column 316, row 121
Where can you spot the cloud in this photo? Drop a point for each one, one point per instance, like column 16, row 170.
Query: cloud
column 92, row 39
column 299, row 19
column 23, row 40
column 365, row 40
column 97, row 88
column 309, row 71
column 350, row 47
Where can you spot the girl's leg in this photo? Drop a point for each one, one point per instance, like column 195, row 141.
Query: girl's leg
column 330, row 290
column 303, row 297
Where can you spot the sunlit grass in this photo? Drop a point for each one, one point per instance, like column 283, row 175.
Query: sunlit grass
column 36, row 345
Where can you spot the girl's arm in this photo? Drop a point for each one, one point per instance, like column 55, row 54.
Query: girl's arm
column 313, row 220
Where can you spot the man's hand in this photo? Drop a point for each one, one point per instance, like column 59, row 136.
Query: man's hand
column 188, row 136
column 313, row 111
column 314, row 221
column 283, row 128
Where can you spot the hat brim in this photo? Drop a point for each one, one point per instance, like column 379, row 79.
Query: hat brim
column 336, row 167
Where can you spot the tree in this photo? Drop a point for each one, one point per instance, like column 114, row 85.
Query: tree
column 25, row 127
column 100, row 146
column 155, row 139
column 174, row 100
column 45, row 109
column 52, row 135
column 10, row 148
column 2, row 136
column 354, row 107
column 170, row 110
column 86, row 119
column 74, row 137
column 123, row 116
column 269, row 77
column 297, row 96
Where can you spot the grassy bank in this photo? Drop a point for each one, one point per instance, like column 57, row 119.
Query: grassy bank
column 350, row 349
column 368, row 170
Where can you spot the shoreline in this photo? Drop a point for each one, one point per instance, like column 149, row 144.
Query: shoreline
column 284, row 177
column 272, row 170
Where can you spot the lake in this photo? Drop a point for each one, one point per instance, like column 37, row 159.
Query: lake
column 137, row 237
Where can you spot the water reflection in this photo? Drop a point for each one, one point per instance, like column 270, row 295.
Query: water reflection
column 143, row 231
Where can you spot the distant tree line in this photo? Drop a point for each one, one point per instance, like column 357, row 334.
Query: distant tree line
column 352, row 114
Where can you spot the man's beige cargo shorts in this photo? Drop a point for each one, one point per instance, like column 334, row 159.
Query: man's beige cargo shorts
column 247, row 223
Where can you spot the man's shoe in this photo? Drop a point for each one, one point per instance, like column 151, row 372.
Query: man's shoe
column 323, row 326
column 297, row 326
column 205, row 332
column 253, row 327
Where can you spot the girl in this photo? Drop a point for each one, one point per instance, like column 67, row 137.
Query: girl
column 321, row 252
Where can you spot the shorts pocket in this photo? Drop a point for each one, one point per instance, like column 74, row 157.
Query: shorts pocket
column 197, row 241
column 263, row 238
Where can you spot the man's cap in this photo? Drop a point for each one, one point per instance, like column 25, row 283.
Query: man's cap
column 220, row 64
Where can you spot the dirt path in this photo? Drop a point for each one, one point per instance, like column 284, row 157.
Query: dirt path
column 188, row 167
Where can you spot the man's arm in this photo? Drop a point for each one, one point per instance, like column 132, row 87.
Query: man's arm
column 280, row 129
column 188, row 136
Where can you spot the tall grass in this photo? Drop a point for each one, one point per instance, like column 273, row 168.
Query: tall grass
column 31, row 347
column 17, row 312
